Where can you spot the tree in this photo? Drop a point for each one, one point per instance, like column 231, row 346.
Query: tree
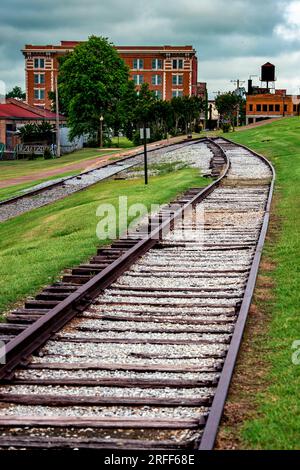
column 17, row 93
column 191, row 110
column 227, row 105
column 176, row 107
column 186, row 109
column 92, row 80
column 37, row 132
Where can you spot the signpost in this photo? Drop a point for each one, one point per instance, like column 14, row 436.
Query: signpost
column 145, row 134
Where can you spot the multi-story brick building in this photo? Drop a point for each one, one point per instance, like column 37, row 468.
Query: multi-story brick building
column 271, row 105
column 169, row 70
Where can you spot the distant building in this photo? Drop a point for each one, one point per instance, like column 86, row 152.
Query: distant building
column 213, row 116
column 14, row 114
column 169, row 70
column 202, row 90
column 270, row 106
column 267, row 102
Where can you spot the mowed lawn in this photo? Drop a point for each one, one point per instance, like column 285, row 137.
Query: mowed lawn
column 275, row 420
column 18, row 189
column 38, row 245
column 16, row 168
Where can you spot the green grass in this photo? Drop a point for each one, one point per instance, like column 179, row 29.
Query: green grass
column 38, row 245
column 16, row 190
column 16, row 168
column 122, row 143
column 278, row 406
column 161, row 168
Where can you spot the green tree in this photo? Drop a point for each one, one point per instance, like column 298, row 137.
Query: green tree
column 17, row 93
column 227, row 104
column 92, row 80
column 192, row 107
column 176, row 107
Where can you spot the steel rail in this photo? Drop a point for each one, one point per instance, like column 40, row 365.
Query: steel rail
column 18, row 350
column 216, row 412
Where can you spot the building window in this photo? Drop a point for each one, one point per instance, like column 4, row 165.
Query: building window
column 265, row 107
column 156, row 64
column 138, row 64
column 285, row 108
column 251, row 107
column 39, row 78
column 177, row 64
column 294, row 108
column 39, row 93
column 156, row 79
column 158, row 94
column 277, row 108
column 39, row 63
column 258, row 107
column 271, row 108
column 176, row 93
column 177, row 79
column 138, row 79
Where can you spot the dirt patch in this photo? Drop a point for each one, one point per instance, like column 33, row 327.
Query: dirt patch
column 250, row 376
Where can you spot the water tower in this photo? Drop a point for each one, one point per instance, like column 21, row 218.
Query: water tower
column 268, row 78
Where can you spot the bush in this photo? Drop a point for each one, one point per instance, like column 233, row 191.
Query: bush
column 47, row 154
column 92, row 143
column 158, row 134
column 226, row 127
column 136, row 138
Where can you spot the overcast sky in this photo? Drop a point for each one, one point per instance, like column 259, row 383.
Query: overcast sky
column 233, row 38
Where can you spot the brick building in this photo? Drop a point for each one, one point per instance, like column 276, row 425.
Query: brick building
column 169, row 70
column 267, row 102
column 271, row 105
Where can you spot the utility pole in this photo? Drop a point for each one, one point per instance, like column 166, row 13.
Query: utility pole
column 57, row 119
column 145, row 155
column 101, row 130
column 238, row 84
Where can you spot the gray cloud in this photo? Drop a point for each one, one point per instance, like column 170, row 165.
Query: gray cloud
column 232, row 37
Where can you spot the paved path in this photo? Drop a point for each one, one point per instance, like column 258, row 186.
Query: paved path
column 84, row 165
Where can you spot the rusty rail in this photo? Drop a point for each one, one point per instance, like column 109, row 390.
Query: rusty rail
column 215, row 415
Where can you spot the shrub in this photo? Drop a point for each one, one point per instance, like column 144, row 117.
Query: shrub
column 47, row 154
column 226, row 127
column 136, row 138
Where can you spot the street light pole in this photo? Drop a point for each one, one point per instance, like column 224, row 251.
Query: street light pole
column 101, row 130
column 57, row 120
column 145, row 155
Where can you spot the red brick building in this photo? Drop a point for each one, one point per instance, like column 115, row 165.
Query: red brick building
column 169, row 70
column 263, row 106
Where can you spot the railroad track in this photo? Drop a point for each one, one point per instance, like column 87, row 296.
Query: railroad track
column 49, row 192
column 137, row 348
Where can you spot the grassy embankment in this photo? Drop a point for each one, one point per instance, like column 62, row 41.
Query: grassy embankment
column 38, row 245
column 263, row 410
column 35, row 169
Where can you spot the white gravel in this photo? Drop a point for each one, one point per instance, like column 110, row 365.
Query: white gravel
column 105, row 374
column 97, row 325
column 108, row 391
column 116, row 352
column 178, row 412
